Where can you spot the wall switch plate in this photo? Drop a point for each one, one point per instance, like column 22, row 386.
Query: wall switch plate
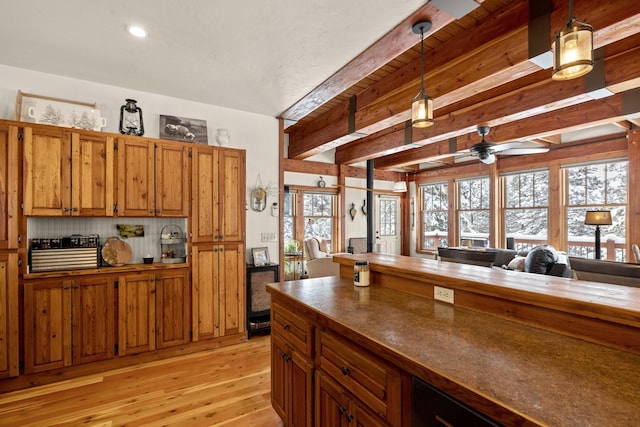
column 268, row 237
column 443, row 294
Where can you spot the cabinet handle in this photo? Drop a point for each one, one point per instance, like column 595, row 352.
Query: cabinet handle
column 349, row 418
column 157, row 211
column 66, row 287
column 74, row 286
column 286, row 326
column 65, row 209
column 342, row 410
column 151, row 211
column 345, row 370
column 75, row 209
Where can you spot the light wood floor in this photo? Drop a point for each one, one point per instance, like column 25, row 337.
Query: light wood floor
column 229, row 386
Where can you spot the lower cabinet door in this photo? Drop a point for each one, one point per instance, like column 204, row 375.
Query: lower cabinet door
column 47, row 325
column 136, row 313
column 332, row 404
column 173, row 318
column 93, row 318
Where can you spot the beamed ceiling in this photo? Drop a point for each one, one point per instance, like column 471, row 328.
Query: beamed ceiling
column 479, row 72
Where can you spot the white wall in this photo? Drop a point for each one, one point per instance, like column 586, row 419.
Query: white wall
column 257, row 134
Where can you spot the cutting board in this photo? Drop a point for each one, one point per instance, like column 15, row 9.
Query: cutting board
column 116, row 251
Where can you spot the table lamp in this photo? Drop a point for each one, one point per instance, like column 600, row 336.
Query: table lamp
column 598, row 218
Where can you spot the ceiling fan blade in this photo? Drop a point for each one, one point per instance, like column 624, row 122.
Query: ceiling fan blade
column 524, row 150
column 520, row 147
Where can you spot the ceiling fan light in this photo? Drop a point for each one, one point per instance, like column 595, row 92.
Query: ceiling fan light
column 573, row 51
column 421, row 111
column 487, row 158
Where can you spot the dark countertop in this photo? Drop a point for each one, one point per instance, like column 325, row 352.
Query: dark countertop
column 542, row 377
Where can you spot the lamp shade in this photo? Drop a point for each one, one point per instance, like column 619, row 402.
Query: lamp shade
column 400, row 187
column 598, row 218
column 573, row 51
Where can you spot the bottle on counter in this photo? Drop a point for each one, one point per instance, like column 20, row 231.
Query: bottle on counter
column 361, row 273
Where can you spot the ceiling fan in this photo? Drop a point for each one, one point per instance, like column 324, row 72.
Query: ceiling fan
column 486, row 151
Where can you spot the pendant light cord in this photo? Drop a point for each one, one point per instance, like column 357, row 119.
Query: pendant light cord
column 424, row 92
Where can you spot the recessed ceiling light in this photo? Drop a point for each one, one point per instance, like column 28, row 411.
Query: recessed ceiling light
column 137, row 31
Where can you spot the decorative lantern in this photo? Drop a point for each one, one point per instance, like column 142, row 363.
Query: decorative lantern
column 131, row 119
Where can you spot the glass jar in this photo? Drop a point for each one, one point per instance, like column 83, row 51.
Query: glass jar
column 361, row 273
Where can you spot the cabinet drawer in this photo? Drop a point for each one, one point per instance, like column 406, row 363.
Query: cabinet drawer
column 295, row 330
column 376, row 384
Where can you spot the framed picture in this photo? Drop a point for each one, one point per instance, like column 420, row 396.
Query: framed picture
column 260, row 256
column 183, row 129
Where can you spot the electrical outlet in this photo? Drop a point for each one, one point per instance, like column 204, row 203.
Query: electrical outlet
column 443, row 294
column 268, row 237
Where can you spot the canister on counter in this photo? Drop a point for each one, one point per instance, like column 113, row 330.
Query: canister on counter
column 361, row 273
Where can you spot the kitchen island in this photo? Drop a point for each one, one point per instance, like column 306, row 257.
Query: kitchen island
column 513, row 372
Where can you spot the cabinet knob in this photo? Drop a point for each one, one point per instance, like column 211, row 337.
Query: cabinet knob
column 65, row 209
column 151, row 211
column 157, row 211
column 286, row 326
column 74, row 286
column 342, row 410
column 345, row 370
column 75, row 209
column 66, row 287
column 349, row 418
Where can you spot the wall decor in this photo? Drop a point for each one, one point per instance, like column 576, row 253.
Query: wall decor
column 183, row 129
column 129, row 230
column 353, row 211
column 58, row 112
column 258, row 195
column 131, row 122
column 363, row 208
column 260, row 256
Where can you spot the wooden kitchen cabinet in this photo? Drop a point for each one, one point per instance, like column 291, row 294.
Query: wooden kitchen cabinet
column 173, row 315
column 67, row 173
column 218, row 290
column 153, row 310
column 218, row 194
column 9, row 348
column 291, row 383
column 9, row 173
column 68, row 321
column 292, row 346
column 152, row 178
column 335, row 407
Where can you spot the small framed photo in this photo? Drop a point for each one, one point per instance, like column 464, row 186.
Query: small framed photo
column 260, row 256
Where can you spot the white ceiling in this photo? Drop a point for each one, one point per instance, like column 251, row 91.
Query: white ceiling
column 257, row 55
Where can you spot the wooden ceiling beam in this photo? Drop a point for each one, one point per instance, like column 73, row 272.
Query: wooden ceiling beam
column 544, row 96
column 479, row 64
column 392, row 44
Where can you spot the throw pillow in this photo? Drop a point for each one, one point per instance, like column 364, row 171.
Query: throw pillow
column 540, row 259
column 517, row 263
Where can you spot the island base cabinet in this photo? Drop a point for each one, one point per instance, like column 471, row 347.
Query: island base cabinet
column 335, row 407
column 68, row 321
column 292, row 384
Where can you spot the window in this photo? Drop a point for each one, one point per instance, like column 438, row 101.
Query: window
column 600, row 186
column 526, row 208
column 473, row 211
column 388, row 217
column 434, row 215
column 290, row 240
column 319, row 215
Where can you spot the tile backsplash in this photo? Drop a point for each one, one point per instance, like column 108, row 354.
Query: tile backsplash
column 39, row 227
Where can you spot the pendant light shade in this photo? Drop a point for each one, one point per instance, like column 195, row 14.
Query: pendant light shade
column 422, row 105
column 572, row 49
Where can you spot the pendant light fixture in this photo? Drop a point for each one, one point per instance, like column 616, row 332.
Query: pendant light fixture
column 572, row 49
column 422, row 105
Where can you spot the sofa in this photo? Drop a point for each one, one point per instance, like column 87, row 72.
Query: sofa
column 541, row 259
column 597, row 270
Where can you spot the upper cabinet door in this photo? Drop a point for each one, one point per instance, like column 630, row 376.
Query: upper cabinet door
column 172, row 179
column 204, row 193
column 232, row 194
column 47, row 172
column 218, row 194
column 92, row 178
column 135, row 177
column 9, row 187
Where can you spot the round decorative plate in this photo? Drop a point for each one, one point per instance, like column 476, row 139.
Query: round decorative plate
column 116, row 252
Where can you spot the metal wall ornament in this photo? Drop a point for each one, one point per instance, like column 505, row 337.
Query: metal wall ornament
column 353, row 211
column 131, row 122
